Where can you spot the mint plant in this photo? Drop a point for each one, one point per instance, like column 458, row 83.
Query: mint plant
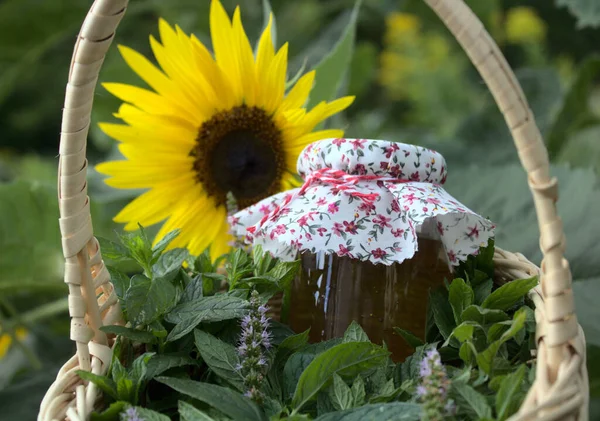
column 198, row 345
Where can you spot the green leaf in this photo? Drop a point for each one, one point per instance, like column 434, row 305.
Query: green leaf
column 463, row 332
column 483, row 316
column 468, row 353
column 169, row 263
column 162, row 244
column 120, row 281
column 410, row 339
column 358, row 391
column 108, row 386
column 158, row 364
column 468, row 398
column 509, row 294
column 221, row 357
column 298, row 361
column 587, row 12
column 355, row 333
column 190, row 413
column 212, row 310
column 149, row 415
column 146, row 300
column 461, row 296
column 507, row 401
column 442, row 311
column 397, row 411
column 113, row 251
column 111, row 413
column 140, row 248
column 346, row 359
column 340, row 394
column 193, row 290
column 130, row 333
column 333, row 67
column 216, row 307
column 224, row 399
column 483, row 290
column 485, row 359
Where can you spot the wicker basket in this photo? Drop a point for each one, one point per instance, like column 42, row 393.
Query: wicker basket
column 561, row 389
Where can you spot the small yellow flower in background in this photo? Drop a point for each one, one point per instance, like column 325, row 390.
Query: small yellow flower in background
column 210, row 127
column 523, row 25
column 6, row 340
column 401, row 24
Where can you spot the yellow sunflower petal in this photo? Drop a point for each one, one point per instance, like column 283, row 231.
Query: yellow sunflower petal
column 136, row 117
column 320, row 112
column 245, row 59
column 274, row 89
column 265, row 53
column 133, row 175
column 221, row 243
column 154, row 205
column 163, row 138
column 224, row 47
column 147, row 100
column 298, row 95
column 207, row 230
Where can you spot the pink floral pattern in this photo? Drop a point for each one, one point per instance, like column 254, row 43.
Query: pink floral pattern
column 364, row 217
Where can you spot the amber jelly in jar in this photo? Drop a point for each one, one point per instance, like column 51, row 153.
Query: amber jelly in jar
column 374, row 230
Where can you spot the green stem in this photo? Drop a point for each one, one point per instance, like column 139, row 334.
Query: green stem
column 45, row 311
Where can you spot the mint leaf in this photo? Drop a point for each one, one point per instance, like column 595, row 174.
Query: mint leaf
column 163, row 243
column 216, row 307
column 209, row 309
column 468, row 353
column 508, row 294
column 461, row 296
column 227, row 401
column 140, row 248
column 120, row 281
column 358, row 391
column 193, row 290
column 298, row 361
column 355, row 333
column 410, row 339
column 340, row 394
column 158, row 364
column 483, row 316
column 507, row 399
column 188, row 412
column 111, row 413
column 485, row 359
column 483, row 290
column 221, row 358
column 107, row 385
column 346, row 359
column 463, row 332
column 113, row 251
column 397, row 411
column 130, row 333
column 169, row 263
column 471, row 401
column 146, row 300
column 442, row 311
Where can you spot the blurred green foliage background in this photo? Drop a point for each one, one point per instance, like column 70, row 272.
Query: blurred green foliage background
column 413, row 84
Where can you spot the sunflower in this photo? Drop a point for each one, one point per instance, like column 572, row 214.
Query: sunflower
column 212, row 125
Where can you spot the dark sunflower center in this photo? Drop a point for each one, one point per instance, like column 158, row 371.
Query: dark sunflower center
column 239, row 151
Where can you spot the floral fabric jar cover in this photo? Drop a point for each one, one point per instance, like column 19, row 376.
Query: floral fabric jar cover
column 365, row 199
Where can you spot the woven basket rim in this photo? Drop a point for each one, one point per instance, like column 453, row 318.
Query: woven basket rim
column 561, row 389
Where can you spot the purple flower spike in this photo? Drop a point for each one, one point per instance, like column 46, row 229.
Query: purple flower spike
column 254, row 339
column 433, row 388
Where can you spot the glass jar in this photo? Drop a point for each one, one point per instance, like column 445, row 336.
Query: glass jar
column 375, row 232
column 332, row 291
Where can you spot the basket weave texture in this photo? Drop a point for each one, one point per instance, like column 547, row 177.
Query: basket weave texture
column 560, row 391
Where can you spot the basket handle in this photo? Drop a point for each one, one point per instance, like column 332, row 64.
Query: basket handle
column 91, row 296
column 560, row 326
